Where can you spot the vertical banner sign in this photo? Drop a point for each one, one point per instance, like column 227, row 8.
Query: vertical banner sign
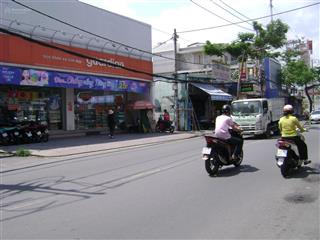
column 243, row 71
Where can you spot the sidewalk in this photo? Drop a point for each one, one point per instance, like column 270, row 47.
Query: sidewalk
column 59, row 147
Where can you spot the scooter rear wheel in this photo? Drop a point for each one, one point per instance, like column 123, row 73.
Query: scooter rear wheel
column 239, row 161
column 285, row 168
column 212, row 165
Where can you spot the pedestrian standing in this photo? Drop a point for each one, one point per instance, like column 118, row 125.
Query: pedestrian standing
column 111, row 123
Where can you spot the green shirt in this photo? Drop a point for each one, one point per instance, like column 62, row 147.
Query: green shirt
column 288, row 125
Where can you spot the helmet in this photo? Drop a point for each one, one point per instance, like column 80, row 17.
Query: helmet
column 226, row 109
column 288, row 109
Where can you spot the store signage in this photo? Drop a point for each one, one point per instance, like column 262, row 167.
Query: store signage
column 19, row 51
column 246, row 87
column 243, row 71
column 40, row 78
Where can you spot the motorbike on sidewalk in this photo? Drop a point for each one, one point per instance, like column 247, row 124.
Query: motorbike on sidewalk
column 287, row 155
column 218, row 153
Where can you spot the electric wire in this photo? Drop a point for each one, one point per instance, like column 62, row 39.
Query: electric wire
column 161, row 78
column 252, row 19
column 99, row 36
column 229, row 12
column 219, row 16
column 234, row 10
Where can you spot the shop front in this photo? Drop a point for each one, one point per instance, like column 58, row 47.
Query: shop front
column 207, row 102
column 65, row 91
column 64, row 97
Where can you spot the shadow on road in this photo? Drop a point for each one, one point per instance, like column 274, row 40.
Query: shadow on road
column 40, row 194
column 232, row 171
column 307, row 173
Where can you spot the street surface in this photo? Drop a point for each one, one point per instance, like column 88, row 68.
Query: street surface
column 161, row 192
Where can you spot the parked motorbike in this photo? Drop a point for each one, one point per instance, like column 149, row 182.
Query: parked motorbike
column 4, row 136
column 39, row 131
column 287, row 155
column 219, row 152
column 9, row 135
column 164, row 126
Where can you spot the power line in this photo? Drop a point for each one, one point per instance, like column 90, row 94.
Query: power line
column 81, row 55
column 99, row 36
column 162, row 43
column 228, row 11
column 219, row 16
column 3, row 30
column 252, row 19
column 234, row 9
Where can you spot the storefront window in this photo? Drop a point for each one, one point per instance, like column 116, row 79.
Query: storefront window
column 32, row 104
column 91, row 108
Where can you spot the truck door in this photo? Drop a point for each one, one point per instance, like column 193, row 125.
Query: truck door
column 266, row 115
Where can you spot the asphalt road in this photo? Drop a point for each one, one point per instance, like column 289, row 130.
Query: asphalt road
column 162, row 192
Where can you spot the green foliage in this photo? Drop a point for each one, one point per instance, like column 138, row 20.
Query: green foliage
column 297, row 72
column 22, row 152
column 250, row 45
column 214, row 49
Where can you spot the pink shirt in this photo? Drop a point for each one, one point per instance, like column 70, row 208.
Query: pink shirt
column 223, row 124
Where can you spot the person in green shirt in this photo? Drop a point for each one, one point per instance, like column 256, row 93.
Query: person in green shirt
column 288, row 125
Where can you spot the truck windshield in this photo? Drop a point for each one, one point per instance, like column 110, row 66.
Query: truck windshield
column 246, row 108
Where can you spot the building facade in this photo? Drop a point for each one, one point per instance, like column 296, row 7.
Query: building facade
column 67, row 70
column 203, row 84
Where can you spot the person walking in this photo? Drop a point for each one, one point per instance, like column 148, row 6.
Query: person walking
column 111, row 123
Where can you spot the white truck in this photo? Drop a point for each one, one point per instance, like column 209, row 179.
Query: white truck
column 258, row 116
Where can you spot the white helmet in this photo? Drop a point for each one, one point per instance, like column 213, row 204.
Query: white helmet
column 288, row 109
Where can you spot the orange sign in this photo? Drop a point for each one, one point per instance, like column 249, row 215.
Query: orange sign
column 18, row 51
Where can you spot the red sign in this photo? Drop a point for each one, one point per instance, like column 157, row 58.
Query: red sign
column 18, row 51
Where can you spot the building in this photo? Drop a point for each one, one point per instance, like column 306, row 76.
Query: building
column 203, row 85
column 86, row 65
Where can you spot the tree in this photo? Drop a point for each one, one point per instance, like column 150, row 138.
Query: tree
column 263, row 43
column 296, row 72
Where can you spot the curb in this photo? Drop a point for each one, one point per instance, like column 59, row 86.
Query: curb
column 112, row 148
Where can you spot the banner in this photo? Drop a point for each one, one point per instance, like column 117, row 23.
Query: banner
column 40, row 78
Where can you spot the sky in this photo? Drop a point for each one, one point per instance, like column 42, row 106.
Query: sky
column 189, row 16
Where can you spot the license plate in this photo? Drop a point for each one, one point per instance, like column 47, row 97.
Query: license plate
column 29, row 134
column 206, row 150
column 282, row 153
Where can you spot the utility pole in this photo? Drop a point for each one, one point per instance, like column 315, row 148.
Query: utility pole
column 271, row 11
column 175, row 84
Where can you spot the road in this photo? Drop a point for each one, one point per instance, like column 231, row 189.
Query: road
column 162, row 192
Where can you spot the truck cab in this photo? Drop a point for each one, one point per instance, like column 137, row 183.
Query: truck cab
column 253, row 116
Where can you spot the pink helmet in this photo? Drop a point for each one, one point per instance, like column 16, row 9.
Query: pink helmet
column 288, row 108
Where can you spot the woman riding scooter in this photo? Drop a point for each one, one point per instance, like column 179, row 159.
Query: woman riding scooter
column 287, row 126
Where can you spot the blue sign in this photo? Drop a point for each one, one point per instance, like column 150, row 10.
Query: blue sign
column 41, row 78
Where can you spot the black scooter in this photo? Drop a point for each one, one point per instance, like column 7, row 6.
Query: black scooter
column 219, row 152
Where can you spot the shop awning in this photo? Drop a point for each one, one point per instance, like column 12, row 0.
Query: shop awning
column 215, row 93
column 139, row 105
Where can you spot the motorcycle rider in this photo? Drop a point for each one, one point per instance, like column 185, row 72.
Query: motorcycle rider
column 223, row 123
column 287, row 126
